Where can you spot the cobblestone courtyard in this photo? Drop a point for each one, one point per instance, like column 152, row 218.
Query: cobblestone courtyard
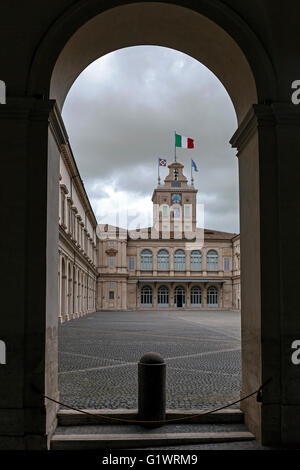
column 98, row 357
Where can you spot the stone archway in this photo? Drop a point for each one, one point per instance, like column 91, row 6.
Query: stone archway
column 219, row 38
column 144, row 23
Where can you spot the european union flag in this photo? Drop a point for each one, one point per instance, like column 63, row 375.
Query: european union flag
column 194, row 165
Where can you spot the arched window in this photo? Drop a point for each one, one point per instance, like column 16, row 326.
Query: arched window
column 163, row 296
column 212, row 297
column 196, row 260
column 179, row 260
column 163, row 260
column 196, row 296
column 146, row 260
column 179, row 296
column 177, row 211
column 69, row 290
column 146, row 296
column 212, row 261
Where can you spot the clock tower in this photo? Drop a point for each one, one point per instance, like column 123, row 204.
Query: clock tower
column 174, row 205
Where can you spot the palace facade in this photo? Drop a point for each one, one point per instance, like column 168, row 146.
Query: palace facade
column 77, row 244
column 172, row 264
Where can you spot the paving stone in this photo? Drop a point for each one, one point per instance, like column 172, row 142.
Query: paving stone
column 98, row 357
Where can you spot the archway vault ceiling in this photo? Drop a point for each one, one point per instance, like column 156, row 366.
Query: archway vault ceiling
column 64, row 54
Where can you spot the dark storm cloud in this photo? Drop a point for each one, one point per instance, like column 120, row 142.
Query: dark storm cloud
column 121, row 114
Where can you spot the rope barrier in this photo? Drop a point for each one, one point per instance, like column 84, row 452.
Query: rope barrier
column 138, row 421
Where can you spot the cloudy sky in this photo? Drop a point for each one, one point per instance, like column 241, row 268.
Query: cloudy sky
column 121, row 114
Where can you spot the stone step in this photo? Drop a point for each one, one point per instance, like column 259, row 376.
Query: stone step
column 75, row 418
column 127, row 441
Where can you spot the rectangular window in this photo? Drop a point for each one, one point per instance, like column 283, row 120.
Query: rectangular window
column 186, row 211
column 226, row 264
column 69, row 218
column 73, row 225
column 131, row 263
column 111, row 262
column 165, row 211
column 111, row 295
column 111, row 243
column 111, row 285
column 63, row 216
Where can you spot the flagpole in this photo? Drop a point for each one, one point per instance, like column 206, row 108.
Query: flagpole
column 192, row 179
column 175, row 146
column 158, row 177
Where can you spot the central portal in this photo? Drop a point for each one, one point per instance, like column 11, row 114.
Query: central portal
column 179, row 300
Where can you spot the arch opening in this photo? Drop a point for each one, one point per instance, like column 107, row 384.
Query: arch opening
column 144, row 23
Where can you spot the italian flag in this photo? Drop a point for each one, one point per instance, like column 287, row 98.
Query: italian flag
column 183, row 142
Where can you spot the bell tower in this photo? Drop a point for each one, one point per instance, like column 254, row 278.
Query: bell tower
column 174, row 205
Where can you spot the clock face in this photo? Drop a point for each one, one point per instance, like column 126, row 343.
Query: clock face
column 176, row 198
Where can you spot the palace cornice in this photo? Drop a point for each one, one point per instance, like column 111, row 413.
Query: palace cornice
column 183, row 280
column 189, row 189
column 111, row 277
column 174, row 241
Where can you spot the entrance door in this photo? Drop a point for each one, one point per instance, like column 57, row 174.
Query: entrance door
column 179, row 298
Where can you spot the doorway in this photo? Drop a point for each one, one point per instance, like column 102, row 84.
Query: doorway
column 179, row 297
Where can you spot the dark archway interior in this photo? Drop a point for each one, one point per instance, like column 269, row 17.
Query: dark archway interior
column 142, row 24
column 252, row 47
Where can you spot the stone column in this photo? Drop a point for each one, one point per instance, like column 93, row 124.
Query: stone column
column 220, row 292
column 171, row 294
column 188, row 262
column 138, row 295
column 124, row 257
column 154, row 295
column 188, row 295
column 204, row 252
column 171, row 251
column 204, row 295
column 124, row 295
column 138, row 262
column 154, row 252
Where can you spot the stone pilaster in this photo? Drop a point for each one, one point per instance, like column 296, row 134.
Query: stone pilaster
column 268, row 142
column 29, row 327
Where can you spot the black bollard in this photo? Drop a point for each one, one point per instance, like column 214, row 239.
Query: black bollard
column 152, row 389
